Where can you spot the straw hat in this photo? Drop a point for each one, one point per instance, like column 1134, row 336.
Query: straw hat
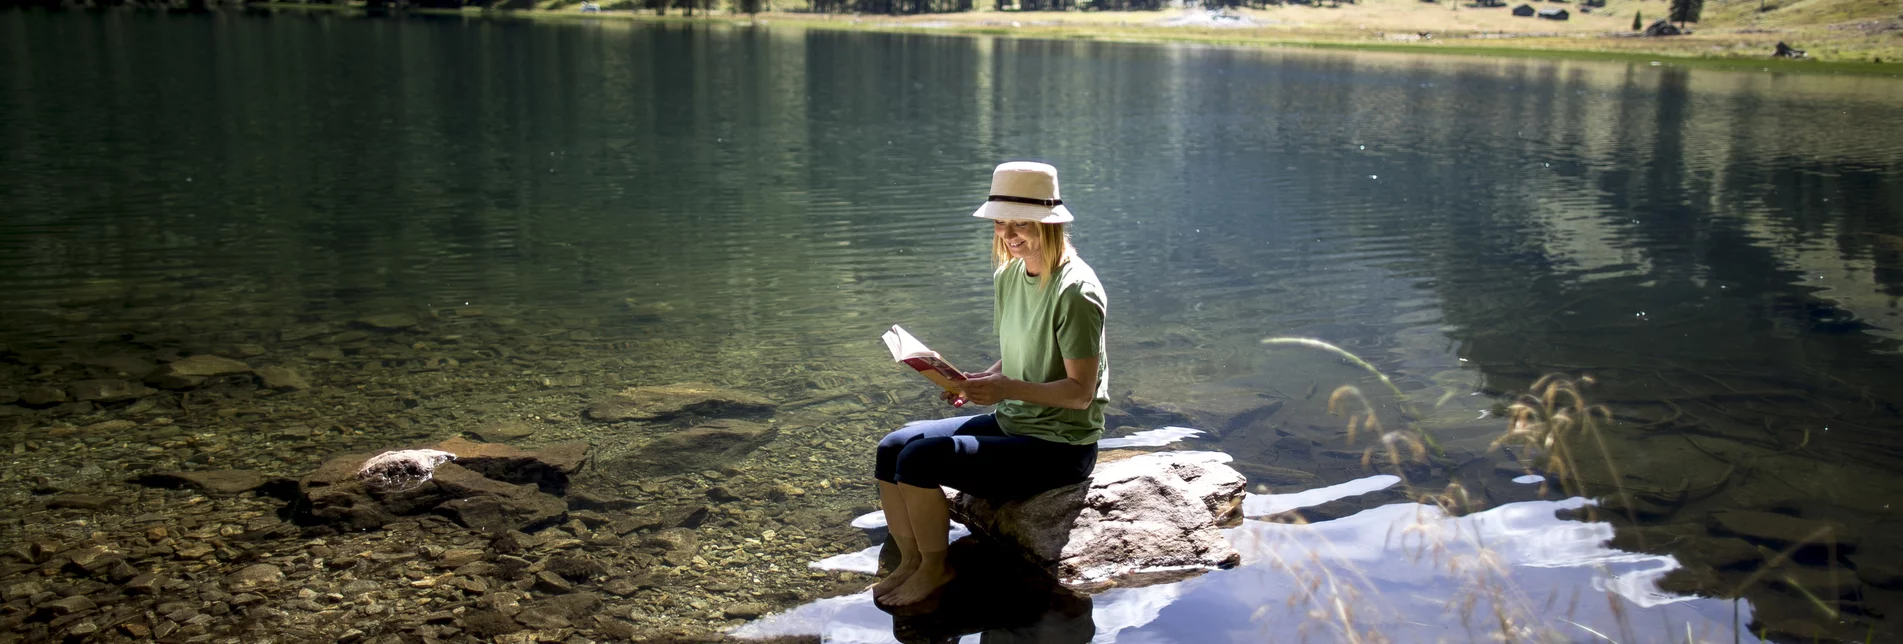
column 1024, row 190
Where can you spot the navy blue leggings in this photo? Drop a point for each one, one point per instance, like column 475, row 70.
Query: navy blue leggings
column 972, row 454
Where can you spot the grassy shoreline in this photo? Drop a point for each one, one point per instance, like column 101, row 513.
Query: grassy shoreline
column 1699, row 50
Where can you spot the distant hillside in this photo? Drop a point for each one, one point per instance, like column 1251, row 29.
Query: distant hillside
column 1798, row 13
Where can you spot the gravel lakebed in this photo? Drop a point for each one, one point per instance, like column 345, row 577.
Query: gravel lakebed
column 152, row 485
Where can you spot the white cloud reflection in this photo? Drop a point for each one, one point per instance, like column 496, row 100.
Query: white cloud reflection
column 1150, row 438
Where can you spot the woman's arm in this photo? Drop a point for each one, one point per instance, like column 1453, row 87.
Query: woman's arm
column 1075, row 391
column 959, row 398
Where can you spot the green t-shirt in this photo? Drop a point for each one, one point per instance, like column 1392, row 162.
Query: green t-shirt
column 1037, row 329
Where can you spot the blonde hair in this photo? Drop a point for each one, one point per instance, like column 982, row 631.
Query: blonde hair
column 1053, row 239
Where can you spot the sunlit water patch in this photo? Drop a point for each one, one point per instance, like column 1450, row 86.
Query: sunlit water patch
column 1404, row 572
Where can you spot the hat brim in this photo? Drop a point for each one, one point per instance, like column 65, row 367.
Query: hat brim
column 1023, row 211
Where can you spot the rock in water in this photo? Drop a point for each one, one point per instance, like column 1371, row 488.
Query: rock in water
column 189, row 372
column 707, row 447
column 254, row 576
column 548, row 468
column 387, row 321
column 205, row 365
column 109, row 390
column 401, row 469
column 485, row 504
column 670, row 401
column 213, row 481
column 503, row 431
column 1148, row 519
column 1784, row 530
column 504, row 488
column 122, row 366
column 282, row 378
column 43, row 396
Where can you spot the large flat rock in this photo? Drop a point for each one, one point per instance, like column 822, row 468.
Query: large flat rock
column 1146, row 519
column 709, row 446
column 488, row 487
column 213, row 481
column 547, row 468
column 667, row 402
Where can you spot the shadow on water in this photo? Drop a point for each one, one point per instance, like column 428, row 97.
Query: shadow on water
column 998, row 598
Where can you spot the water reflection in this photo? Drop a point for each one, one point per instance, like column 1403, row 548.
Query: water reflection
column 1404, row 572
column 588, row 208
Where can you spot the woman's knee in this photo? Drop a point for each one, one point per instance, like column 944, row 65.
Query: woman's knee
column 896, row 440
column 887, row 457
column 923, row 462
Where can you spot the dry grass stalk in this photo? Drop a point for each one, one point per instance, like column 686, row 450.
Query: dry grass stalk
column 1552, row 419
column 1397, row 446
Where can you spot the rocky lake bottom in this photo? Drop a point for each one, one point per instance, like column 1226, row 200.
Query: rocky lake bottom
column 188, row 490
column 672, row 548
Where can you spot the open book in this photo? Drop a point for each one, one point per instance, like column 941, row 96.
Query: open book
column 914, row 354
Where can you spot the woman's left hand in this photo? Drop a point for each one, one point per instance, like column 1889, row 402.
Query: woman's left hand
column 986, row 388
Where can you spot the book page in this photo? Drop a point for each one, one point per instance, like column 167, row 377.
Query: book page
column 903, row 345
column 909, row 350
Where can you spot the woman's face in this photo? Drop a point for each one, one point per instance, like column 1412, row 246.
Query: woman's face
column 1020, row 236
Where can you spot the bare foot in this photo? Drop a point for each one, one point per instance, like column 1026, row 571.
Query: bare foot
column 924, row 581
column 898, row 576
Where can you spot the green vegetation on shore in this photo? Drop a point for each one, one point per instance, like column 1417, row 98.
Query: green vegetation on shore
column 1855, row 36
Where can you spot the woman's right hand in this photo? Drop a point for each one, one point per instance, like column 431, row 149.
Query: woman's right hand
column 953, row 398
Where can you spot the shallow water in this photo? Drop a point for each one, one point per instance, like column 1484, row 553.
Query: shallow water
column 567, row 210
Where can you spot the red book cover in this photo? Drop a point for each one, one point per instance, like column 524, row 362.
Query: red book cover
column 909, row 350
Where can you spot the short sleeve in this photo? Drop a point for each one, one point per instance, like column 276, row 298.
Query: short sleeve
column 1080, row 313
column 997, row 301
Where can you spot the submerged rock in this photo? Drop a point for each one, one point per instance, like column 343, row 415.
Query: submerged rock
column 109, row 390
column 492, row 488
column 43, row 396
column 707, row 447
column 1277, row 476
column 204, row 366
column 213, row 481
column 387, row 321
column 254, row 576
column 1222, row 410
column 471, row 499
column 282, row 378
column 503, row 431
column 670, row 401
column 1147, row 519
column 63, row 606
column 548, row 468
column 108, row 427
column 122, row 366
column 402, row 469
column 1782, row 529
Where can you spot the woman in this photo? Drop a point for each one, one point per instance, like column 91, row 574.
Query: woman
column 1049, row 389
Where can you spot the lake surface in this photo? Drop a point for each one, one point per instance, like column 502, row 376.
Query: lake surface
column 566, row 210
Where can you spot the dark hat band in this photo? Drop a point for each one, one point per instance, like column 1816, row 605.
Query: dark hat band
column 1047, row 203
